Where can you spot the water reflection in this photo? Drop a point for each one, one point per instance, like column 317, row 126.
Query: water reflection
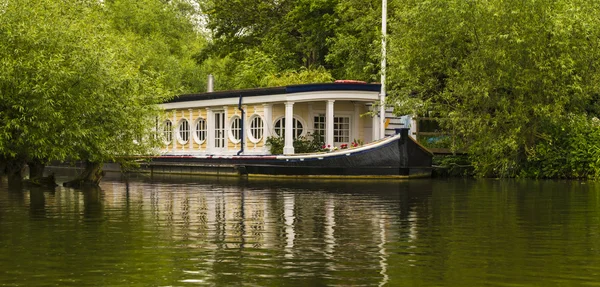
column 288, row 215
column 216, row 231
column 37, row 203
column 92, row 203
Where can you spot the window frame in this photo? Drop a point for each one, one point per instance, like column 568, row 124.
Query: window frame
column 337, row 114
column 231, row 134
column 219, row 130
column 180, row 138
column 195, row 132
column 298, row 119
column 318, row 130
column 167, row 131
column 259, row 129
column 339, row 130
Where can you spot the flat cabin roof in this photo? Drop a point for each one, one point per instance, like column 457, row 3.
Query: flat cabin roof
column 277, row 90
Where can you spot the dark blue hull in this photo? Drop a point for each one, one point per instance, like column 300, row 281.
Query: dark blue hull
column 396, row 156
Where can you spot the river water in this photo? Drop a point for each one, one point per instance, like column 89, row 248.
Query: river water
column 184, row 231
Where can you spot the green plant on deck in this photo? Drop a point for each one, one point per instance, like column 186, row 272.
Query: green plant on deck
column 303, row 144
column 275, row 144
column 357, row 143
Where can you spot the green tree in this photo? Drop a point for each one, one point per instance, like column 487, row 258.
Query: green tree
column 254, row 42
column 76, row 86
column 319, row 75
column 355, row 47
column 502, row 74
column 168, row 36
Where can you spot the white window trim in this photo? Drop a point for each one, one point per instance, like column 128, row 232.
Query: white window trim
column 349, row 114
column 166, row 138
column 249, row 130
column 297, row 117
column 178, row 133
column 312, row 117
column 350, row 132
column 196, row 139
column 213, row 129
column 230, row 129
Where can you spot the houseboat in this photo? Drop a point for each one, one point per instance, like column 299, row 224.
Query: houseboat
column 227, row 132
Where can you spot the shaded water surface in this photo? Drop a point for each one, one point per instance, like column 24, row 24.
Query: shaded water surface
column 210, row 231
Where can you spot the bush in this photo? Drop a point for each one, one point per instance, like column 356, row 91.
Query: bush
column 568, row 148
column 303, row 144
column 452, row 166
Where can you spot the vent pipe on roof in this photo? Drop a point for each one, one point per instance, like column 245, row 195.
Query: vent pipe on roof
column 211, row 84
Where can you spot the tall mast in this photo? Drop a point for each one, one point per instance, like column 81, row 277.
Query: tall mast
column 383, row 68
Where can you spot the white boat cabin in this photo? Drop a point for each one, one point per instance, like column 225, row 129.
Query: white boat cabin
column 239, row 122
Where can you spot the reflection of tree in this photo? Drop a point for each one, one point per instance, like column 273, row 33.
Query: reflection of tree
column 92, row 203
column 37, row 203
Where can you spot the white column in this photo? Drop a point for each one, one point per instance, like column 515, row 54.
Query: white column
column 354, row 132
column 375, row 124
column 191, row 131
column 288, row 148
column 267, row 124
column 210, row 130
column 329, row 124
column 311, row 120
column 173, row 129
column 243, row 124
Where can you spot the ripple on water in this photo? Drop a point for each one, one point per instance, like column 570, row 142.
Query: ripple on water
column 203, row 232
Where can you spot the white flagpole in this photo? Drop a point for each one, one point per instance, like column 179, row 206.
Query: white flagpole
column 383, row 68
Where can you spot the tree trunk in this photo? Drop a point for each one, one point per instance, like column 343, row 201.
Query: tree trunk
column 36, row 174
column 15, row 169
column 2, row 166
column 90, row 176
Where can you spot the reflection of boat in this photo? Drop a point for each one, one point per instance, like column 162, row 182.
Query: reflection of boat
column 396, row 156
column 229, row 132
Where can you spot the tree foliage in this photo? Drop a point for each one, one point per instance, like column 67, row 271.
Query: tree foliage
column 515, row 82
column 355, row 48
column 254, row 42
column 503, row 75
column 80, row 81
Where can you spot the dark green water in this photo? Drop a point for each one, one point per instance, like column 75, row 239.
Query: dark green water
column 230, row 232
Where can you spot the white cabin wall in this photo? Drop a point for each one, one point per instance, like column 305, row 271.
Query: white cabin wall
column 305, row 111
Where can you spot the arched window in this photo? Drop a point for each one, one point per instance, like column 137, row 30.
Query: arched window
column 256, row 128
column 184, row 131
column 200, row 130
column 168, row 131
column 235, row 129
column 298, row 127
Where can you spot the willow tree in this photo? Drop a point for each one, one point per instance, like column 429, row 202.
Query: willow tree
column 505, row 76
column 73, row 87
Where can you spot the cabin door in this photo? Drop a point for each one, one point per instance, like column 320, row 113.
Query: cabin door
column 219, row 130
